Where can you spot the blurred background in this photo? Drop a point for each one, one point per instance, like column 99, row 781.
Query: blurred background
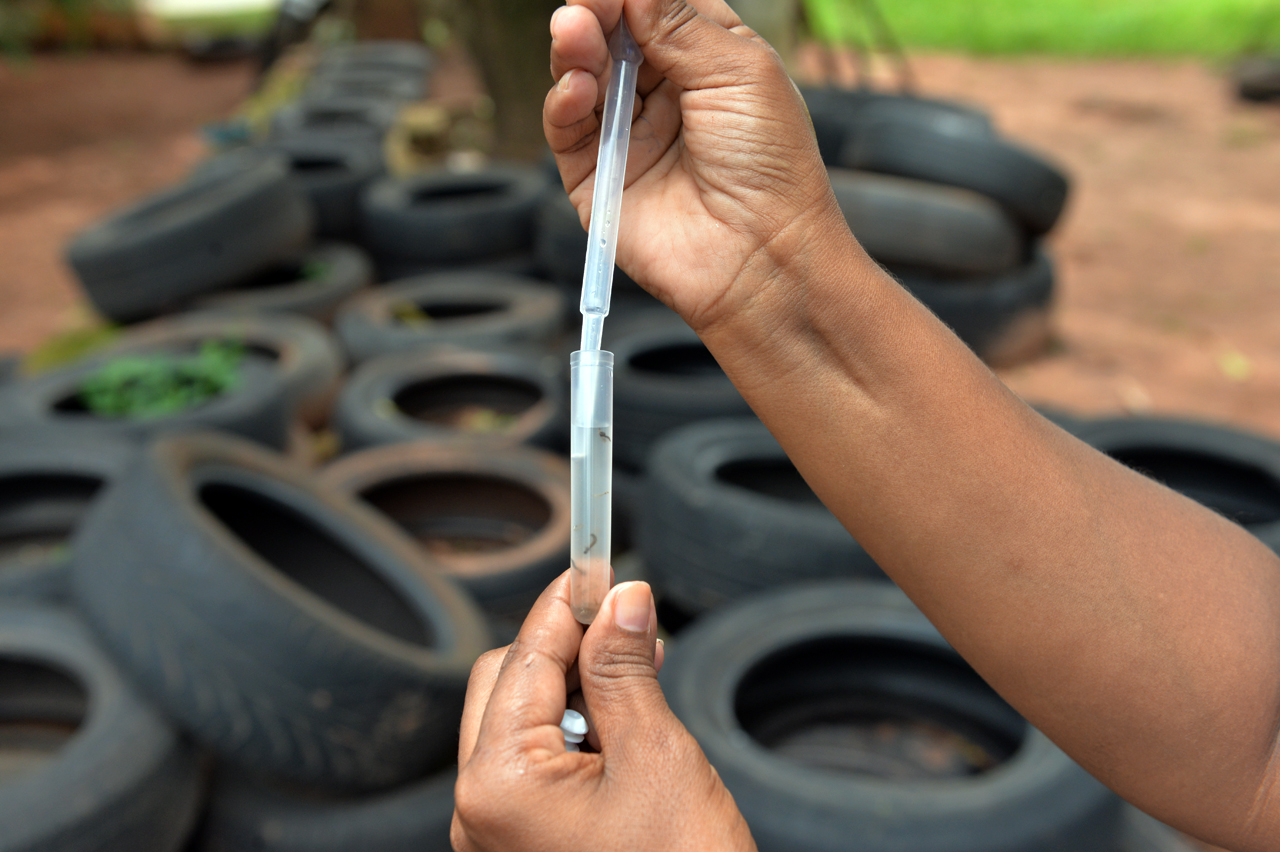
column 1167, row 254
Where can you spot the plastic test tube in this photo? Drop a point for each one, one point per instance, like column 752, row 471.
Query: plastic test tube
column 591, row 369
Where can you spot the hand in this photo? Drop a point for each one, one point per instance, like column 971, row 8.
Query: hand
column 724, row 181
column 647, row 785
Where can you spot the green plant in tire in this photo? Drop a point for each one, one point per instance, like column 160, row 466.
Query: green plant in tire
column 152, row 386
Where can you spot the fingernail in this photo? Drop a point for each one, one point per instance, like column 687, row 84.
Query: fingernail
column 555, row 15
column 631, row 606
column 563, row 85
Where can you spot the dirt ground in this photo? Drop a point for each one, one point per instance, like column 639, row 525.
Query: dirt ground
column 1169, row 253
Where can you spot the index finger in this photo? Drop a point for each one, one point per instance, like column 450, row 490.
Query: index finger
column 530, row 691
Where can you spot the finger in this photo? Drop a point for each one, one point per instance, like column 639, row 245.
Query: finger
column 528, row 698
column 484, row 674
column 578, row 703
column 619, row 674
column 577, row 41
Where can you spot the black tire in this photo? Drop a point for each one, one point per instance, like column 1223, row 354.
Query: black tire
column 333, row 170
column 308, row 359
column 1257, row 78
column 1003, row 318
column 754, row 682
column 447, row 218
column 664, row 377
column 430, row 396
column 497, row 521
column 943, row 229
column 366, row 119
column 365, row 83
column 1234, row 473
column 560, row 243
column 312, row 284
column 252, row 815
column 237, row 214
column 125, row 781
column 837, row 114
column 257, row 407
column 727, row 514
column 1031, row 189
column 282, row 624
column 470, row 310
column 523, row 264
column 412, row 59
column 47, row 484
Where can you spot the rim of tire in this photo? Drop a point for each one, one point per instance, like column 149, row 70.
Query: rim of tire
column 832, row 656
column 491, row 398
column 497, row 521
column 74, row 733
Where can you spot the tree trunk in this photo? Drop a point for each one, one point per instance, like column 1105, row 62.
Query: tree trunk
column 511, row 42
column 387, row 19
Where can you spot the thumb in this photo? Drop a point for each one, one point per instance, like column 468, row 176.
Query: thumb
column 616, row 663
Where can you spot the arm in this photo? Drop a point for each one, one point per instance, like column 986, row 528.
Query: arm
column 1137, row 629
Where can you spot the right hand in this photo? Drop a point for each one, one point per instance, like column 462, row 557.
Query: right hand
column 724, row 181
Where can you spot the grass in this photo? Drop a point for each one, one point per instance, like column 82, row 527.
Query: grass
column 1204, row 28
column 150, row 386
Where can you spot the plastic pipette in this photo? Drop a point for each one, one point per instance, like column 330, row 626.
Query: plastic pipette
column 591, row 369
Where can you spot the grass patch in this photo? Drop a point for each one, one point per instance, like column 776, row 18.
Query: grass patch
column 150, row 386
column 1204, row 28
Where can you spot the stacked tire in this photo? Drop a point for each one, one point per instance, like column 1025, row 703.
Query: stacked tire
column 953, row 211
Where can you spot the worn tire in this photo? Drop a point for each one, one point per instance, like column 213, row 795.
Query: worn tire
column 312, row 284
column 257, row 408
column 837, row 114
column 124, row 782
column 1234, row 473
column 1033, row 190
column 727, row 514
column 333, row 170
column 1003, row 318
column 447, row 218
column 253, row 815
column 939, row 228
column 523, row 264
column 373, row 83
column 307, row 358
column 409, row 58
column 664, row 377
column 467, row 310
column 319, row 646
column 47, row 484
column 365, row 119
column 497, row 521
column 778, row 668
column 420, row 396
column 237, row 214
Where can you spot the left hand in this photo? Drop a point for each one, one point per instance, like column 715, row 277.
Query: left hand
column 648, row 785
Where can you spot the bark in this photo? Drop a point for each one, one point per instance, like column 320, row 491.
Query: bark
column 511, row 42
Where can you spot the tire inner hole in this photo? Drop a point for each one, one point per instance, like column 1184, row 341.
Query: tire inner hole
column 38, row 512
column 317, row 165
column 460, row 514
column 302, row 550
column 777, row 478
column 475, row 403
column 889, row 709
column 478, row 187
column 41, row 708
column 444, row 311
column 276, row 275
column 1247, row 495
column 678, row 359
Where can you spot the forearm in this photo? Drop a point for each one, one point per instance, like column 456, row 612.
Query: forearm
column 1138, row 630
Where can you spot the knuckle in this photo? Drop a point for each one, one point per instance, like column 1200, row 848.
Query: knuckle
column 674, row 17
column 472, row 800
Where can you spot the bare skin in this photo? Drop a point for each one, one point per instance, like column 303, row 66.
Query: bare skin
column 1138, row 630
